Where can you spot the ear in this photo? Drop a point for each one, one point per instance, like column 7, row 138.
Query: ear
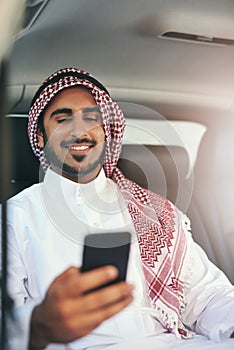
column 40, row 138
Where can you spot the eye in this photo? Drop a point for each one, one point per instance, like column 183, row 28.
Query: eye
column 64, row 120
column 92, row 117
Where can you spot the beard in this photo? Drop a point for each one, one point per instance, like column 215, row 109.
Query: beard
column 66, row 169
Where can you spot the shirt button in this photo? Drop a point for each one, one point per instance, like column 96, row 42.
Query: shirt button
column 95, row 224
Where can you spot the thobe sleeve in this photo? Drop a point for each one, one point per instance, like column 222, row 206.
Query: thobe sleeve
column 18, row 318
column 209, row 295
column 22, row 281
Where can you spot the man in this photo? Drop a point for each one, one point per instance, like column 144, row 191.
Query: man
column 172, row 290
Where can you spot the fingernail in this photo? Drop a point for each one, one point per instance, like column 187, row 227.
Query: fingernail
column 128, row 291
column 112, row 271
column 130, row 288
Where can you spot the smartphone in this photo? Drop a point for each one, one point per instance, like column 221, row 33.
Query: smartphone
column 102, row 249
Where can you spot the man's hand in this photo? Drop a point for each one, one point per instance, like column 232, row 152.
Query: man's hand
column 68, row 312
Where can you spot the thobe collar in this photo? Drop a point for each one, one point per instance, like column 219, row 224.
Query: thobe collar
column 56, row 184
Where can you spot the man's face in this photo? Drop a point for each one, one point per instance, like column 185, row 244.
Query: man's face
column 73, row 137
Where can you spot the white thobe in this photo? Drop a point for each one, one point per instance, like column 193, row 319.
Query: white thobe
column 47, row 226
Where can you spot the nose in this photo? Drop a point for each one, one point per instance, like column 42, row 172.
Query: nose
column 78, row 127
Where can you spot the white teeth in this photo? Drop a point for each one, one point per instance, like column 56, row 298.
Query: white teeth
column 79, row 148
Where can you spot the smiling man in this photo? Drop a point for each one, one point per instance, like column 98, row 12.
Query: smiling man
column 72, row 135
column 172, row 292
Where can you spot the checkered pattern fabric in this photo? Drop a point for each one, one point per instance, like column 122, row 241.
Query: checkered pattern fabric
column 161, row 239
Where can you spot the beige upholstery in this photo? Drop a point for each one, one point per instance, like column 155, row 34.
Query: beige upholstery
column 161, row 169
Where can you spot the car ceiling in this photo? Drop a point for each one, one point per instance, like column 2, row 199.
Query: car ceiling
column 120, row 42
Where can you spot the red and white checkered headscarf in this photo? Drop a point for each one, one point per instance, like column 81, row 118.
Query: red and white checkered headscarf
column 113, row 118
column 160, row 234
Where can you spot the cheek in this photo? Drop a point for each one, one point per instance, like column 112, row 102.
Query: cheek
column 56, row 134
column 100, row 134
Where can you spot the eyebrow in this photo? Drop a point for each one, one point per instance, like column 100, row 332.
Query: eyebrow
column 91, row 109
column 68, row 111
column 61, row 111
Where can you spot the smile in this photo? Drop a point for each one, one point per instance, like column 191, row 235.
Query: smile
column 79, row 148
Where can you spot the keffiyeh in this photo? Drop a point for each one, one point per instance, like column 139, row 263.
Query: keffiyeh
column 161, row 239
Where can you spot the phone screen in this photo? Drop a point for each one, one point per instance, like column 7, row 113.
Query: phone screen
column 102, row 249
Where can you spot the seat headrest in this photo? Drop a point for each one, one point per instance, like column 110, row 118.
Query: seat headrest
column 161, row 169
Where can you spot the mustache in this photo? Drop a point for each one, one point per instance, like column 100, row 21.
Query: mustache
column 77, row 141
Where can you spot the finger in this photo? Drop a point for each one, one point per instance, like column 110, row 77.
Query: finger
column 72, row 283
column 94, row 318
column 66, row 275
column 95, row 278
column 97, row 301
column 106, row 296
column 115, row 308
column 94, row 300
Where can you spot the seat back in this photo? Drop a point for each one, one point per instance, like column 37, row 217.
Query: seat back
column 161, row 169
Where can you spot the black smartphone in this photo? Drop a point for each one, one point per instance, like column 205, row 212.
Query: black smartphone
column 102, row 249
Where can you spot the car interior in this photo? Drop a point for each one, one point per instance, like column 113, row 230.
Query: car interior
column 169, row 64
